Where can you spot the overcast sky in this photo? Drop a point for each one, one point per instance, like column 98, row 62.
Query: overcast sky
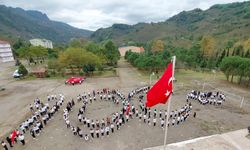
column 94, row 14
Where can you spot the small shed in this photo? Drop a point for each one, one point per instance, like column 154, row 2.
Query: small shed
column 40, row 72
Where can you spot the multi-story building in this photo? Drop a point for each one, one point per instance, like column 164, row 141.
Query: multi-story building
column 41, row 42
column 5, row 52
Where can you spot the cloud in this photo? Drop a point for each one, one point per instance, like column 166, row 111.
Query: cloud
column 94, row 14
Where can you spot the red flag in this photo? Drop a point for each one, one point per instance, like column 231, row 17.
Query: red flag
column 161, row 91
column 13, row 135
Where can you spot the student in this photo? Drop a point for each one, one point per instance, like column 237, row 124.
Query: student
column 107, row 130
column 112, row 127
column 149, row 112
column 154, row 121
column 173, row 121
column 120, row 122
column 155, row 113
column 21, row 139
column 32, row 132
column 140, row 116
column 86, row 137
column 92, row 132
column 9, row 141
column 178, row 119
column 93, row 124
column 80, row 133
column 88, row 123
column 67, row 123
column 149, row 123
column 102, row 122
column 136, row 113
column 162, row 123
column 166, row 114
column 194, row 114
column 97, row 132
column 127, row 118
column 160, row 114
column 4, row 145
column 144, row 118
column 117, row 125
column 80, row 117
column 102, row 131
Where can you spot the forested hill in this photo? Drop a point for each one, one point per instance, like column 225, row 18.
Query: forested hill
column 16, row 22
column 222, row 22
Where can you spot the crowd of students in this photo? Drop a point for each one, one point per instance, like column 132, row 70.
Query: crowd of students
column 42, row 113
column 114, row 122
column 213, row 98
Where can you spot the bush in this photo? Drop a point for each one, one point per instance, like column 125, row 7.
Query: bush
column 22, row 70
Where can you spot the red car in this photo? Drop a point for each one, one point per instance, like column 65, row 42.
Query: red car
column 74, row 80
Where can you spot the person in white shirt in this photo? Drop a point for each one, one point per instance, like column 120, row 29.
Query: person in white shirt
column 4, row 145
column 112, row 127
column 21, row 139
column 107, row 130
column 86, row 137
column 92, row 132
column 67, row 123
column 97, row 131
column 102, row 131
column 173, row 121
column 140, row 116
column 162, row 123
column 154, row 121
column 144, row 118
column 80, row 117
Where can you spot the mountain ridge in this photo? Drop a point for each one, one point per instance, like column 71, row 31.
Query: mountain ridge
column 27, row 24
column 222, row 21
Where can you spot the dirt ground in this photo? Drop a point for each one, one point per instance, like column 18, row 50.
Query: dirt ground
column 18, row 95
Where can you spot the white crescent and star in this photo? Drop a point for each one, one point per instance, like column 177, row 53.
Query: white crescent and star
column 168, row 92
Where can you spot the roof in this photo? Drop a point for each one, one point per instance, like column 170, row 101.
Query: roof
column 132, row 48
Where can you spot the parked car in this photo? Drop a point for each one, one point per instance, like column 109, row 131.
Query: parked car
column 74, row 80
column 16, row 74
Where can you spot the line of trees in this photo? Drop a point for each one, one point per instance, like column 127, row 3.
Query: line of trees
column 233, row 60
column 150, row 61
column 236, row 66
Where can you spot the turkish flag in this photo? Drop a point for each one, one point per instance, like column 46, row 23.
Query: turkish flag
column 162, row 90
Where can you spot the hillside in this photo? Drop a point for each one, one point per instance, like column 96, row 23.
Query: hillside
column 223, row 22
column 16, row 22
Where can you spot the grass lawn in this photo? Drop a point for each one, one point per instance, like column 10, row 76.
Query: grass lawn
column 185, row 76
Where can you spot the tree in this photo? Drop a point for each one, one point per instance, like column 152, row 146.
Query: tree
column 238, row 51
column 207, row 46
column 223, row 54
column 247, row 55
column 157, row 45
column 37, row 52
column 236, row 66
column 111, row 53
column 229, row 45
column 22, row 70
column 77, row 58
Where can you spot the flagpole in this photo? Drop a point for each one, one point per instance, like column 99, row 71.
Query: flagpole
column 169, row 103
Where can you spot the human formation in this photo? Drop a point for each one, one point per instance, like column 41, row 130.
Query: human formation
column 212, row 98
column 99, row 128
column 41, row 114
